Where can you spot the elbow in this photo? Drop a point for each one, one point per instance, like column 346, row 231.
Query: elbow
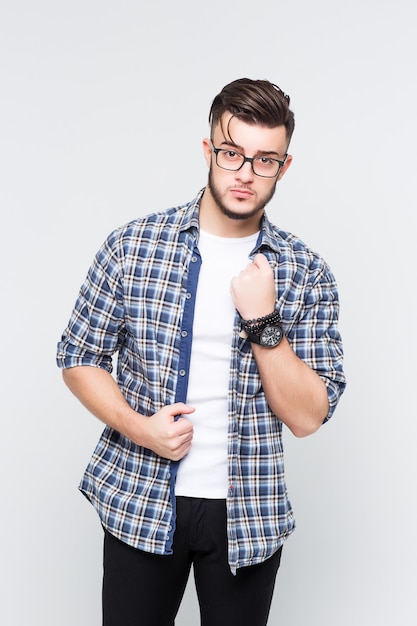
column 69, row 374
column 72, row 376
column 66, row 375
column 307, row 425
column 311, row 418
column 305, row 429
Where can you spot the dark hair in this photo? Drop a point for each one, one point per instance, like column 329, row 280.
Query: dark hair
column 254, row 102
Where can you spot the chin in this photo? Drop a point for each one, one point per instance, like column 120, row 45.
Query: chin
column 239, row 215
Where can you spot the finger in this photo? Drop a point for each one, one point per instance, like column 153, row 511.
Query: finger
column 261, row 261
column 175, row 411
column 180, row 407
column 184, row 426
column 183, row 446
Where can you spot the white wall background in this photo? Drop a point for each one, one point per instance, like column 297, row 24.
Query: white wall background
column 93, row 93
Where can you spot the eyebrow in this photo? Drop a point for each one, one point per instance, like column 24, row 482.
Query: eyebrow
column 241, row 149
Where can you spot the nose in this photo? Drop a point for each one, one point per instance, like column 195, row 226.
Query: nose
column 245, row 173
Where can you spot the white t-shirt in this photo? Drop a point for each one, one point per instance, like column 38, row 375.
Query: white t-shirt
column 203, row 472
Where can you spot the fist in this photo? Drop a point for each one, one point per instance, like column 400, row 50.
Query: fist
column 253, row 291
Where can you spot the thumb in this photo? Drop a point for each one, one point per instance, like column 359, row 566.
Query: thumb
column 179, row 409
column 261, row 261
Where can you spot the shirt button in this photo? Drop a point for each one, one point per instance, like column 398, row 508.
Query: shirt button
column 182, row 372
column 184, row 333
column 194, row 259
column 188, row 296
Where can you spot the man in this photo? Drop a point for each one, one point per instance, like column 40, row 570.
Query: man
column 226, row 329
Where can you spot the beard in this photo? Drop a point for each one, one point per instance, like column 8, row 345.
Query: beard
column 236, row 215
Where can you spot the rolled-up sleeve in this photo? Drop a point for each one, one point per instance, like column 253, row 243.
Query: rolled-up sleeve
column 95, row 329
column 315, row 336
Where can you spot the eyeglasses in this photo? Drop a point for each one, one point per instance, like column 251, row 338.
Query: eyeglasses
column 233, row 161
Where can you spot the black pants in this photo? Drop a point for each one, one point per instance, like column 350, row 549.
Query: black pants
column 142, row 589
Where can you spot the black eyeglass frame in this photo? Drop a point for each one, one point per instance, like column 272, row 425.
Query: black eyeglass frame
column 246, row 160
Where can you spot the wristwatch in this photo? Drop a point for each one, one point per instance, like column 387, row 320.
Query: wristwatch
column 265, row 331
column 269, row 337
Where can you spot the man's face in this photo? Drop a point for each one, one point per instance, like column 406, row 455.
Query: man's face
column 241, row 194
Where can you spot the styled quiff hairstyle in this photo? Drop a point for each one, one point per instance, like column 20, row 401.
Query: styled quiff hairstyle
column 254, row 102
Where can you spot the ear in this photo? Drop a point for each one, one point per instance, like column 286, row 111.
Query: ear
column 207, row 151
column 283, row 169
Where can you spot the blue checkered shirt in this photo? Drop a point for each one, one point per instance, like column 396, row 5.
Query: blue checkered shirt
column 138, row 301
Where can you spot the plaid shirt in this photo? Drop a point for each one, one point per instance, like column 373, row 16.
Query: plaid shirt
column 138, row 300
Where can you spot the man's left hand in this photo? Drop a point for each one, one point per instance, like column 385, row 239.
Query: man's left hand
column 253, row 291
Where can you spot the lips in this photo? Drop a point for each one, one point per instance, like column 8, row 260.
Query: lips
column 240, row 192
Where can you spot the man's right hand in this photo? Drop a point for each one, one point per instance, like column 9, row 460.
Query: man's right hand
column 167, row 434
column 164, row 432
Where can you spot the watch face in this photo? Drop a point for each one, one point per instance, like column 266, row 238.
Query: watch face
column 271, row 336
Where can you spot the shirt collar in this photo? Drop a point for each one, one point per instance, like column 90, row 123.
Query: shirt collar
column 267, row 236
column 191, row 211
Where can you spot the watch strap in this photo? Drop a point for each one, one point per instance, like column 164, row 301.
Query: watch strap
column 270, row 336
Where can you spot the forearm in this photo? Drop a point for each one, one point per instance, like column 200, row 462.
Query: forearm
column 295, row 393
column 97, row 390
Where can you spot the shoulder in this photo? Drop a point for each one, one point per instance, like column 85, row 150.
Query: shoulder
column 146, row 225
column 139, row 234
